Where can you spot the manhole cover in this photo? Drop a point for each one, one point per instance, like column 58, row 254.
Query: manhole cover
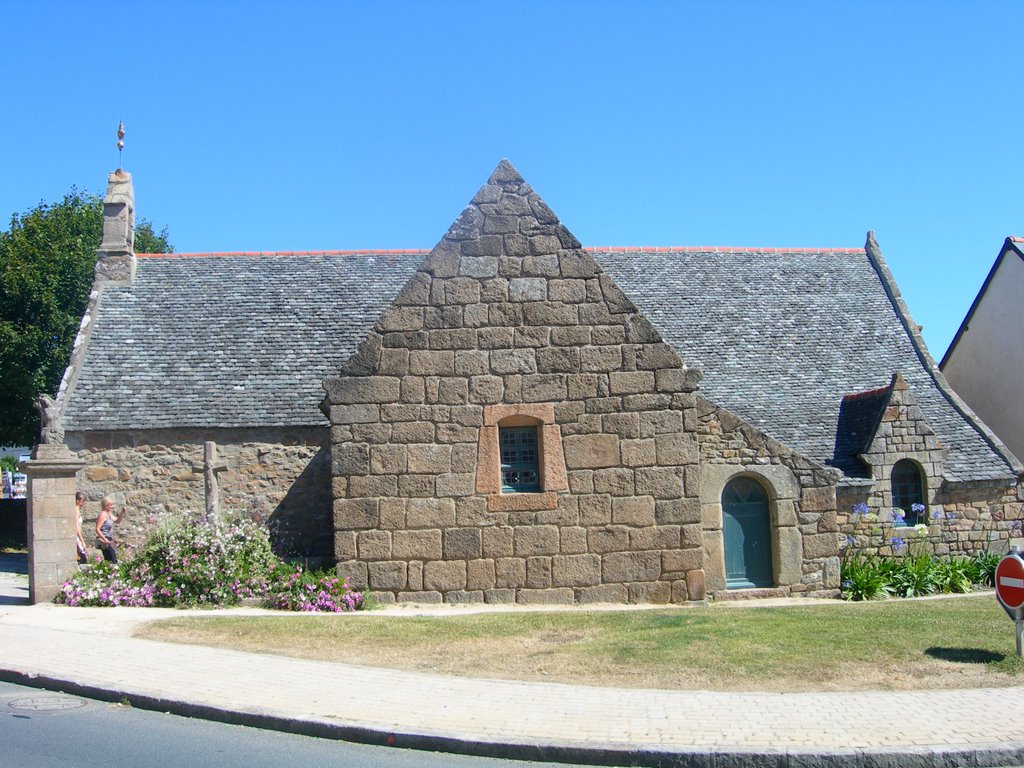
column 46, row 703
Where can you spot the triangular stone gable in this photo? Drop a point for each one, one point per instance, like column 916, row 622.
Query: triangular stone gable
column 510, row 321
column 509, row 234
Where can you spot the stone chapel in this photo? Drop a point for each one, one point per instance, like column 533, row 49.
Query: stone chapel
column 514, row 417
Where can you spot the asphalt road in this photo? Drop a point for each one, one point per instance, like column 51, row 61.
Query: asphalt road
column 41, row 729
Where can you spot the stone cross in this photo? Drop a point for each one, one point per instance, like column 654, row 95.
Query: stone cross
column 210, row 469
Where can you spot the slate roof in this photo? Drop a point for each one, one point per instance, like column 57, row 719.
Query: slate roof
column 245, row 340
column 783, row 336
column 229, row 340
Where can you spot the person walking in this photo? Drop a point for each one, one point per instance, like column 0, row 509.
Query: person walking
column 105, row 529
column 80, row 501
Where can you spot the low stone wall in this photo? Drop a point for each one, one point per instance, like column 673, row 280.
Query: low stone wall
column 961, row 521
column 279, row 476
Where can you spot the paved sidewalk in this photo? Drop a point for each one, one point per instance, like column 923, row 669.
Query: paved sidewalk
column 53, row 646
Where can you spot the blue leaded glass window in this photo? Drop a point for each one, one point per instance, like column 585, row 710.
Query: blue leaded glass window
column 907, row 492
column 520, row 467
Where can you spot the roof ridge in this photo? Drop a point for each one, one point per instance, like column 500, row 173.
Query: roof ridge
column 714, row 249
column 425, row 251
column 867, row 393
column 359, row 252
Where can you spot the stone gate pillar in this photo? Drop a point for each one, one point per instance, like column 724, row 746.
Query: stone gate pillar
column 51, row 519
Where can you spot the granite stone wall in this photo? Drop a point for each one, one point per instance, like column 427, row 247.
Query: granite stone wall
column 510, row 322
column 961, row 521
column 802, row 505
column 278, row 475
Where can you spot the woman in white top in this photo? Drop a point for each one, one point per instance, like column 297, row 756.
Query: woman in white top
column 79, row 538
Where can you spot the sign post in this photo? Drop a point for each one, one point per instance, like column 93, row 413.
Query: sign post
column 1010, row 590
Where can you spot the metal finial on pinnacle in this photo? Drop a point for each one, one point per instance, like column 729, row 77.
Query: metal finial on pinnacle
column 120, row 142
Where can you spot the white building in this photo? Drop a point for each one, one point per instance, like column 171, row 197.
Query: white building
column 985, row 361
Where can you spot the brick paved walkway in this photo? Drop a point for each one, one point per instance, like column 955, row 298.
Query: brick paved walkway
column 52, row 646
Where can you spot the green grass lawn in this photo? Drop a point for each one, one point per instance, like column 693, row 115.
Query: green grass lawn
column 890, row 645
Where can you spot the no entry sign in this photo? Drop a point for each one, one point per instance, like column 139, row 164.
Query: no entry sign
column 1010, row 584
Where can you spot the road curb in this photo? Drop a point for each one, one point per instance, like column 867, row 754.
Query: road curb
column 981, row 756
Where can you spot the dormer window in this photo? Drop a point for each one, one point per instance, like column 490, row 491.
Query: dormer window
column 908, row 491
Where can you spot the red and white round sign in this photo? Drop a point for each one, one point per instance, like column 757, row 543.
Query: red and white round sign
column 1010, row 581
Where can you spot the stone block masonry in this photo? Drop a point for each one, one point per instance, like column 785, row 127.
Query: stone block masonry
column 509, row 323
column 280, row 476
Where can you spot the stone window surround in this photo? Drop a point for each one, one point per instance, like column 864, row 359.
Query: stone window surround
column 881, row 474
column 783, row 490
column 551, row 461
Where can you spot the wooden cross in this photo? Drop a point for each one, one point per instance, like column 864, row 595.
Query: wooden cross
column 210, row 469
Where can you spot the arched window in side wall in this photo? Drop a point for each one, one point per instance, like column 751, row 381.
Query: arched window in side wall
column 908, row 491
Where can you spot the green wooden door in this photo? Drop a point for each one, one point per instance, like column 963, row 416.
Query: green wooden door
column 747, row 530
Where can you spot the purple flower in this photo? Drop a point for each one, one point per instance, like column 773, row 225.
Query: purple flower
column 896, row 542
column 860, row 509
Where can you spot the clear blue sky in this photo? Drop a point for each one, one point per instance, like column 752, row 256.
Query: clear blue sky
column 315, row 125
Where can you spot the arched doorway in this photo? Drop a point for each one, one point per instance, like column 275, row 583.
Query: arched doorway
column 747, row 532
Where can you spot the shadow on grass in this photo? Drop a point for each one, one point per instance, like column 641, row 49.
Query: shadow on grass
column 965, row 655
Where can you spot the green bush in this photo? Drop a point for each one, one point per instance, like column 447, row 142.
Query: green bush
column 870, row 577
column 865, row 577
column 914, row 576
column 957, row 574
column 983, row 566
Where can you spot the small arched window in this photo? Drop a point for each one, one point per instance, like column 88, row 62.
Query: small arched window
column 908, row 491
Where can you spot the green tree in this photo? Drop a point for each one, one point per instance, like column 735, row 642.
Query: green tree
column 46, row 270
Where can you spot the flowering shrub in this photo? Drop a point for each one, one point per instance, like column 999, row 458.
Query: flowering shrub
column 187, row 562
column 103, row 584
column 296, row 589
column 190, row 562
